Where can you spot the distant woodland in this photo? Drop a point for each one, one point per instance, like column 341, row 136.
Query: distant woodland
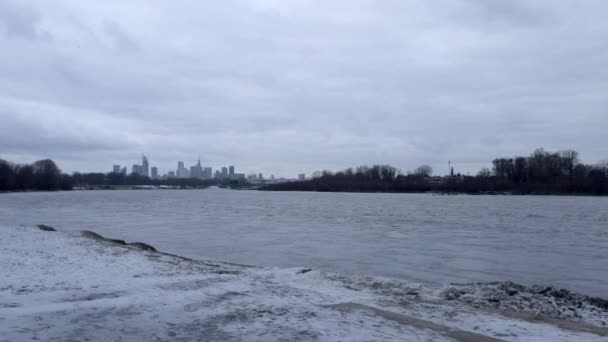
column 542, row 172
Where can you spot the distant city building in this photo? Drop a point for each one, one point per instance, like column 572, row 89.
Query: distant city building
column 142, row 170
column 145, row 167
column 197, row 171
column 217, row 174
column 260, row 176
column 116, row 169
column 154, row 172
column 224, row 171
column 136, row 169
column 171, row 174
column 271, row 177
column 208, row 172
column 182, row 172
column 231, row 171
column 124, row 171
column 302, row 176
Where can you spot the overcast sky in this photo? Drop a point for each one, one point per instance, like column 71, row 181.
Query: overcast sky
column 284, row 87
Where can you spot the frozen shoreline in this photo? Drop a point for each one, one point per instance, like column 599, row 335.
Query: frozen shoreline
column 59, row 286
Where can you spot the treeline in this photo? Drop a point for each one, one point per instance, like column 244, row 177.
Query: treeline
column 376, row 178
column 540, row 173
column 42, row 175
column 45, row 175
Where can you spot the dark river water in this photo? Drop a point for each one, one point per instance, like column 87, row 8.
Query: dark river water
column 561, row 241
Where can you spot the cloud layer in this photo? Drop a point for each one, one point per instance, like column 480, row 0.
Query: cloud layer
column 287, row 87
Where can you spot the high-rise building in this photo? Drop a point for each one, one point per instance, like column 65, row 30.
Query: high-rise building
column 182, row 172
column 171, row 174
column 154, row 172
column 302, row 176
column 208, row 172
column 124, row 171
column 260, row 176
column 116, row 169
column 145, row 167
column 231, row 171
column 224, row 171
column 136, row 169
column 196, row 171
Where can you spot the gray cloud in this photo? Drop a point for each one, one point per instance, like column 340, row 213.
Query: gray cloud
column 283, row 87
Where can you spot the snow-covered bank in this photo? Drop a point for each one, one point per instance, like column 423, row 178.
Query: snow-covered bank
column 57, row 286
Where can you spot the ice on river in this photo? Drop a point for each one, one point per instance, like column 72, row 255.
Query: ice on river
column 58, row 286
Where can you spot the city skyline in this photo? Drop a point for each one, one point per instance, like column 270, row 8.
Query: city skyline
column 197, row 170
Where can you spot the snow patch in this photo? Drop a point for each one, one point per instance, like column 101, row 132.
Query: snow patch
column 62, row 286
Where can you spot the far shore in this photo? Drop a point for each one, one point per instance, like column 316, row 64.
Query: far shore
column 434, row 193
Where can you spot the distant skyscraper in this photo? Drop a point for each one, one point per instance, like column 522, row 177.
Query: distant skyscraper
column 154, row 172
column 197, row 171
column 136, row 169
column 208, row 172
column 302, row 176
column 224, row 171
column 124, row 171
column 182, row 172
column 116, row 169
column 231, row 170
column 171, row 174
column 260, row 176
column 145, row 167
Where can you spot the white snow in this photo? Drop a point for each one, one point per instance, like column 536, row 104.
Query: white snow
column 57, row 286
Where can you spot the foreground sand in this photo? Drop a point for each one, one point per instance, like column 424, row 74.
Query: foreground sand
column 57, row 286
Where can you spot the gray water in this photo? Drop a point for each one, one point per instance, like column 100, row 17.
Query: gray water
column 561, row 241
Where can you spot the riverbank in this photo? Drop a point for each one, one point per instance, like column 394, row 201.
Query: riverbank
column 64, row 286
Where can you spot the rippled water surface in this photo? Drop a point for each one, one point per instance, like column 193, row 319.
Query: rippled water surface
column 559, row 241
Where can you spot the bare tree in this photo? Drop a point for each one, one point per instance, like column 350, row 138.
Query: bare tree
column 424, row 170
column 484, row 173
column 568, row 159
column 46, row 174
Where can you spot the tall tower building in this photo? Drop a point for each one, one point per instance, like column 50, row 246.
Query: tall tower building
column 231, row 170
column 182, row 172
column 196, row 171
column 116, row 169
column 145, row 167
column 154, row 172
